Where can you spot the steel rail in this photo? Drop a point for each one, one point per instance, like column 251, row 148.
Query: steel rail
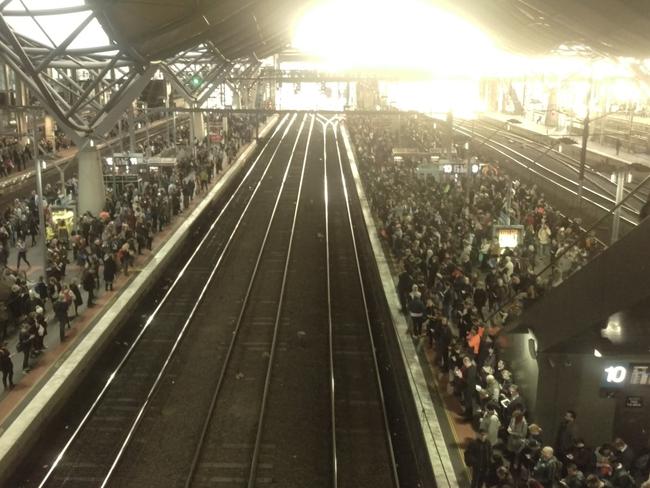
column 181, row 335
column 560, row 185
column 566, row 160
column 150, row 319
column 330, row 325
column 238, row 323
column 552, row 172
column 276, row 326
column 198, row 302
column 362, row 286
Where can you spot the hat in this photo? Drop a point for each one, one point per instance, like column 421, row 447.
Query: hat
column 39, row 310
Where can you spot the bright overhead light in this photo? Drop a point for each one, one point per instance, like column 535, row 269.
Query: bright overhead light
column 597, row 353
column 391, row 34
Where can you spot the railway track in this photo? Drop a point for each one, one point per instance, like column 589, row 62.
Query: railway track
column 258, row 367
column 541, row 169
column 561, row 168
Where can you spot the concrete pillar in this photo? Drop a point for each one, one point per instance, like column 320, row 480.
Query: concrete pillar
column 48, row 125
column 130, row 117
column 551, row 109
column 197, row 126
column 236, row 99
column 92, row 195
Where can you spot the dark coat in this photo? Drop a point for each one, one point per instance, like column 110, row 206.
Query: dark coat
column 77, row 294
column 110, row 268
column 478, row 455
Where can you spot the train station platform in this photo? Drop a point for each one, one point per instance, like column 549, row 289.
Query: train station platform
column 39, row 393
column 444, row 433
column 63, row 156
column 594, row 148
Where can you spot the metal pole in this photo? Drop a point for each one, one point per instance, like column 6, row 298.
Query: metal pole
column 450, row 128
column 508, row 201
column 131, row 120
column 39, row 191
column 469, row 182
column 147, row 151
column 119, row 134
column 629, row 134
column 174, row 128
column 621, row 175
column 585, row 140
column 583, row 158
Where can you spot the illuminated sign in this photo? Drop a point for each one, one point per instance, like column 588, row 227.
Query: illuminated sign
column 640, row 374
column 509, row 236
column 631, row 375
column 615, row 374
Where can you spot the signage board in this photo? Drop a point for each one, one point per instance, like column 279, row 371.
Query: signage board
column 619, row 375
column 634, row 402
column 509, row 236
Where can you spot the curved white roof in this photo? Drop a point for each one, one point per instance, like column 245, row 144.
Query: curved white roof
column 50, row 23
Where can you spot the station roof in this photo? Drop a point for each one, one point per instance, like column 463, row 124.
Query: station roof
column 159, row 29
column 535, row 27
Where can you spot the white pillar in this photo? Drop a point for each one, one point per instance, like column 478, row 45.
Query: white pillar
column 197, row 126
column 49, row 131
column 92, row 195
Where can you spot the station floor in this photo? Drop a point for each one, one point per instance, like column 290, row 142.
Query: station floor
column 43, row 365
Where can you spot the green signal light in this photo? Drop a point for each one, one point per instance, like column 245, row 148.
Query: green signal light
column 196, row 81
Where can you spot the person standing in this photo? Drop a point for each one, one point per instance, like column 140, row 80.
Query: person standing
column 22, row 253
column 478, row 456
column 490, row 423
column 25, row 340
column 416, row 310
column 469, row 379
column 110, row 269
column 7, row 367
column 61, row 314
column 548, row 468
column 517, row 432
column 88, row 282
column 544, row 239
column 566, row 434
column 78, row 301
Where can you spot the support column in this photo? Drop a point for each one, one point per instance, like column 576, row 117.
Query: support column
column 197, row 126
column 39, row 191
column 551, row 109
column 22, row 125
column 131, row 119
column 48, row 125
column 92, row 195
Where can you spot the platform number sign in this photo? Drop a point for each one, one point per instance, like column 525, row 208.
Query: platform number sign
column 618, row 375
column 615, row 374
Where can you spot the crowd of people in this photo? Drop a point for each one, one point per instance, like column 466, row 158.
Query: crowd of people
column 458, row 287
column 101, row 246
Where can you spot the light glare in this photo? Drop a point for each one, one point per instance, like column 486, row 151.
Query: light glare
column 388, row 34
